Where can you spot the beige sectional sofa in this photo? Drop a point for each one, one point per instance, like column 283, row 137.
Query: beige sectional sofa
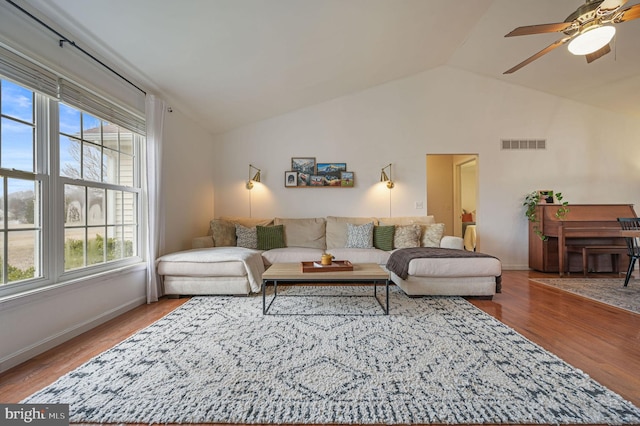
column 231, row 260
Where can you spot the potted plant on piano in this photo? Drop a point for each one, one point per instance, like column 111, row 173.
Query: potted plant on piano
column 532, row 199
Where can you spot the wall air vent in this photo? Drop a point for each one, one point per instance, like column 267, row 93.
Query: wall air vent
column 519, row 144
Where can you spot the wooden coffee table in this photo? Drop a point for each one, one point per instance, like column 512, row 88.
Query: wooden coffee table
column 291, row 273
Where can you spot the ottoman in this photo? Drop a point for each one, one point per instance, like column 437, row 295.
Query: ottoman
column 211, row 271
column 436, row 274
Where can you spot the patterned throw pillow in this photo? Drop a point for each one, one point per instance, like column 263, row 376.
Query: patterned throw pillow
column 360, row 236
column 383, row 237
column 270, row 237
column 407, row 236
column 247, row 237
column 432, row 234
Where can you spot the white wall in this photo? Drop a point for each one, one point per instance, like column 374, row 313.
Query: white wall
column 187, row 181
column 592, row 155
column 41, row 320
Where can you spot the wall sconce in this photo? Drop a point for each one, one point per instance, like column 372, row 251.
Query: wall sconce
column 255, row 178
column 387, row 178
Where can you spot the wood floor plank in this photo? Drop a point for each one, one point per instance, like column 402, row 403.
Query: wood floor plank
column 601, row 340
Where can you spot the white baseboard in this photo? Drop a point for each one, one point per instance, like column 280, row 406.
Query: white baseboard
column 50, row 342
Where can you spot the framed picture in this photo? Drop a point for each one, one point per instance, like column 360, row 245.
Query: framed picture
column 331, row 172
column 304, row 179
column 306, row 165
column 290, row 178
column 346, row 179
column 317, row 180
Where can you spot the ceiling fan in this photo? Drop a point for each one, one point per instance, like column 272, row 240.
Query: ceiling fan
column 589, row 29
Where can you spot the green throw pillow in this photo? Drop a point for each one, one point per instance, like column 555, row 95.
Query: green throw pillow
column 270, row 237
column 383, row 237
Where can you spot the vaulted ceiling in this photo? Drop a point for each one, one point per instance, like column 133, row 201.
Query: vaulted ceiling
column 232, row 62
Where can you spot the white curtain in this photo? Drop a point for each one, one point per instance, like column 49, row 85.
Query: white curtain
column 155, row 110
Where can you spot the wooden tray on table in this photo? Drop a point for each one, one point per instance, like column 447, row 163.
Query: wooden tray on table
column 336, row 265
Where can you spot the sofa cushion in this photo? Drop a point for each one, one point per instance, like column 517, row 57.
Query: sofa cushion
column 246, row 237
column 289, row 255
column 223, row 233
column 383, row 237
column 337, row 229
column 357, row 255
column 407, row 236
column 270, row 237
column 359, row 236
column 304, row 232
column 455, row 267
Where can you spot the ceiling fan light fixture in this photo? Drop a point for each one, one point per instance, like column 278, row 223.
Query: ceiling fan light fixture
column 592, row 40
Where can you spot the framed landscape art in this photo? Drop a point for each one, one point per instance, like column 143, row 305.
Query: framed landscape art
column 346, row 179
column 317, row 180
column 306, row 165
column 330, row 172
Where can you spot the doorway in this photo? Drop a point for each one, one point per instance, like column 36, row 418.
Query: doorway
column 452, row 194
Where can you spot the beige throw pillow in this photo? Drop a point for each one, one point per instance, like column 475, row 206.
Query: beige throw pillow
column 407, row 236
column 432, row 234
column 223, row 233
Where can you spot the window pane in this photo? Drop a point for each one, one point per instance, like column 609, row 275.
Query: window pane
column 2, row 280
column 91, row 162
column 74, row 247
column 95, row 246
column 126, row 170
column 126, row 141
column 74, row 205
column 130, row 208
column 17, row 101
column 110, row 165
column 91, row 129
column 69, row 120
column 96, row 206
column 17, row 145
column 22, row 203
column 22, row 255
column 114, row 207
column 69, row 157
column 114, row 243
column 1, row 205
column 129, row 233
column 110, row 136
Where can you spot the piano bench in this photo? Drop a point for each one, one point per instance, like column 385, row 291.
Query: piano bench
column 586, row 251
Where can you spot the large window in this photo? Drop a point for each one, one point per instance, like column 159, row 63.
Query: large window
column 98, row 170
column 20, row 195
column 69, row 190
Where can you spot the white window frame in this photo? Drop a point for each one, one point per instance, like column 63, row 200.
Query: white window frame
column 47, row 162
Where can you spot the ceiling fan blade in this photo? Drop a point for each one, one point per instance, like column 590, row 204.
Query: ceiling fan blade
column 540, row 29
column 537, row 55
column 629, row 13
column 609, row 6
column 598, row 53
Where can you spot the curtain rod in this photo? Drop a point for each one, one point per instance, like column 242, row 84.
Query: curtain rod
column 64, row 40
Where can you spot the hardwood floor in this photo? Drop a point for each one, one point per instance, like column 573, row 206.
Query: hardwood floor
column 601, row 340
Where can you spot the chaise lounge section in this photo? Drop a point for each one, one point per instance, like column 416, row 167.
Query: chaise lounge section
column 230, row 260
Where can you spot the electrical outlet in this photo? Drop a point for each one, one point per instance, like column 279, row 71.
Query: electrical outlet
column 419, row 205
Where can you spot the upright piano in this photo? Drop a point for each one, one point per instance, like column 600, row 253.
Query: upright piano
column 584, row 224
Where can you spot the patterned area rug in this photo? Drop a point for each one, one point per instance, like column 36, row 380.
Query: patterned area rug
column 432, row 360
column 606, row 290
